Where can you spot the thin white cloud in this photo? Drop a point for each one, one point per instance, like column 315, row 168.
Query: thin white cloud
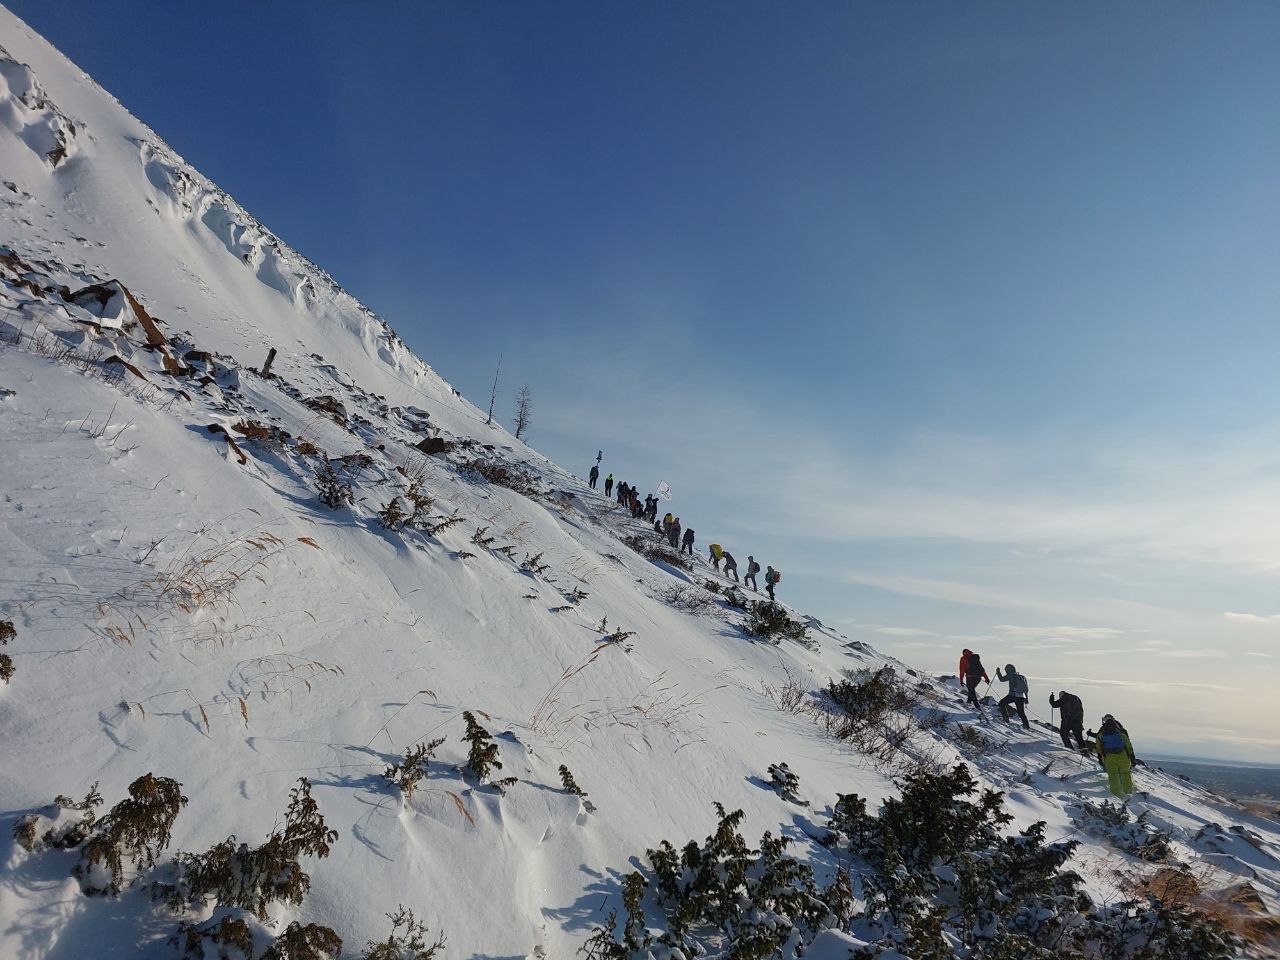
column 1060, row 633
column 1191, row 654
column 1141, row 684
column 905, row 632
column 1272, row 619
column 1255, row 653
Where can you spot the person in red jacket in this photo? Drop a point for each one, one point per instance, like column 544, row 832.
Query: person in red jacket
column 971, row 674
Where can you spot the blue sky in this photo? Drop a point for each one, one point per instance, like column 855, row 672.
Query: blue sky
column 965, row 314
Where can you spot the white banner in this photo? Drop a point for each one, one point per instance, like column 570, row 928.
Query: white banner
column 664, row 490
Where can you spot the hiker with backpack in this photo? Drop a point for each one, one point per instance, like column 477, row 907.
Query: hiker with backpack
column 1115, row 753
column 752, row 569
column 972, row 672
column 715, row 553
column 651, row 508
column 593, row 476
column 608, row 485
column 1017, row 695
column 673, row 534
column 686, row 545
column 771, row 579
column 730, row 566
column 1072, row 723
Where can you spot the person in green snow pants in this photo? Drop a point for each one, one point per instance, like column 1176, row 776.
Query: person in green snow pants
column 1115, row 753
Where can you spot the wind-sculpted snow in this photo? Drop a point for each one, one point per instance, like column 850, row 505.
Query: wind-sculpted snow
column 27, row 112
column 184, row 604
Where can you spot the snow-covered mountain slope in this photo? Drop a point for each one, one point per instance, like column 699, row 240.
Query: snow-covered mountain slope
column 185, row 605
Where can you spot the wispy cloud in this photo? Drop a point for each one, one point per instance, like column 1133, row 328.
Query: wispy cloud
column 1060, row 633
column 1272, row 619
column 1140, row 684
column 905, row 632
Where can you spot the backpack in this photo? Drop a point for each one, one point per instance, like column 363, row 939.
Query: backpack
column 777, row 576
column 1112, row 743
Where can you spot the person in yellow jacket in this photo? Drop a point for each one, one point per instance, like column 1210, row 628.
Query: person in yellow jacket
column 715, row 555
column 1115, row 753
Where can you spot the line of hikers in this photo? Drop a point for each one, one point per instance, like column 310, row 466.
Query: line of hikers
column 681, row 539
column 1110, row 742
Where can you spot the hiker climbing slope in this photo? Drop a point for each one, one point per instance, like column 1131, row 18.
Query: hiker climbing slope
column 1115, row 753
column 608, row 485
column 752, row 569
column 1017, row 695
column 771, row 579
column 686, row 544
column 730, row 566
column 1072, row 718
column 593, row 476
column 972, row 672
column 715, row 553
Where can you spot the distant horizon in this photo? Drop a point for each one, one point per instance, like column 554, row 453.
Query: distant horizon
column 962, row 317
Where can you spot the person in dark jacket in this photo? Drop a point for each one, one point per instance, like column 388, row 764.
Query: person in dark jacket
column 752, row 569
column 730, row 566
column 1072, row 723
column 593, row 476
column 608, row 485
column 686, row 545
column 1017, row 695
column 771, row 578
column 673, row 534
column 972, row 673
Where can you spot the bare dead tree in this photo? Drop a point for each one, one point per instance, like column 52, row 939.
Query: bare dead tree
column 494, row 394
column 524, row 410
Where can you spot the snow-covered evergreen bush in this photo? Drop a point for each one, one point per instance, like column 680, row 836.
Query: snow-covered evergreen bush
column 229, row 938
column 305, row 942
column 724, row 897
column 7, row 633
column 768, row 621
column 868, row 696
column 63, row 833
column 784, row 780
column 334, row 491
column 1134, row 835
column 413, row 768
column 135, row 829
column 571, row 786
column 483, row 755
column 392, row 516
column 232, row 874
column 409, row 940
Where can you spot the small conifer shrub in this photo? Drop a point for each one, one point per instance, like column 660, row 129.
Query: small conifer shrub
column 571, row 786
column 413, row 768
column 62, row 834
column 768, row 621
column 334, row 491
column 868, row 696
column 409, row 940
column 7, row 633
column 420, row 504
column 305, row 942
column 229, row 933
column 784, row 780
column 534, row 564
column 234, row 874
column 392, row 516
column 137, row 829
column 483, row 756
